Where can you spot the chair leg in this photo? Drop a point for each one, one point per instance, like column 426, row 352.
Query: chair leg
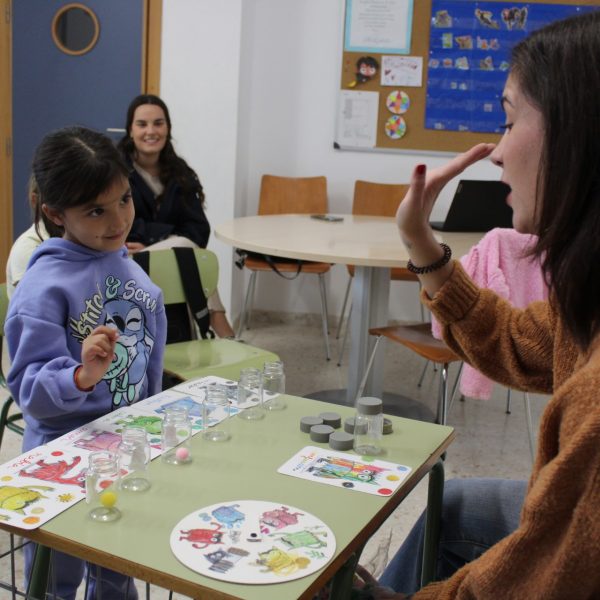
column 455, row 386
column 508, row 394
column 324, row 314
column 343, row 346
column 529, row 425
column 423, row 374
column 4, row 417
column 363, row 382
column 341, row 321
column 443, row 399
column 245, row 308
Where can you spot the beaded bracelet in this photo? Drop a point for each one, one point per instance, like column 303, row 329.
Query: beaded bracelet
column 438, row 264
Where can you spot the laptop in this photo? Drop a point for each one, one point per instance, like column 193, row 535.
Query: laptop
column 478, row 205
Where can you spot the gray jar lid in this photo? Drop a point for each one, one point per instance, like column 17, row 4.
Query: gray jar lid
column 369, row 406
column 331, row 418
column 387, row 426
column 321, row 433
column 350, row 426
column 340, row 440
column 307, row 422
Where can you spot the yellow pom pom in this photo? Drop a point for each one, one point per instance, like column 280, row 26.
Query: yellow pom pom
column 108, row 499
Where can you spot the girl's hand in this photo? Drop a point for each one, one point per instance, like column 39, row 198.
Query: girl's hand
column 414, row 211
column 97, row 353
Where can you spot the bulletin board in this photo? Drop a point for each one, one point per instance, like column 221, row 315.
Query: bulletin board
column 410, row 90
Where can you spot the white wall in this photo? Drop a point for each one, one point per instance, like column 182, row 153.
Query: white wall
column 287, row 92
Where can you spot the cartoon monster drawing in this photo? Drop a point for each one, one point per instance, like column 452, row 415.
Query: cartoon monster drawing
column 150, row 424
column 132, row 350
column 99, row 440
column 17, row 498
column 228, row 515
column 202, row 538
column 224, row 560
column 339, row 468
column 55, row 472
column 302, row 539
column 280, row 562
column 279, row 518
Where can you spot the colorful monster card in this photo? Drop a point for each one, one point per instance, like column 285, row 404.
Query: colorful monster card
column 252, row 542
column 38, row 485
column 197, row 387
column 349, row 471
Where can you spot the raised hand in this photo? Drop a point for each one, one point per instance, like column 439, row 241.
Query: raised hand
column 97, row 353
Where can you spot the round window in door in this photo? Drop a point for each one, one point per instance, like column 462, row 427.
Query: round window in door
column 75, row 29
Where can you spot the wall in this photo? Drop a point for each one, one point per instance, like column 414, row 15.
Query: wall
column 287, row 92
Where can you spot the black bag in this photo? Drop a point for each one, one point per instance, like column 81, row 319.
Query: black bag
column 270, row 260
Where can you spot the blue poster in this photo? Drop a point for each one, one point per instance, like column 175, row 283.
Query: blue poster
column 469, row 53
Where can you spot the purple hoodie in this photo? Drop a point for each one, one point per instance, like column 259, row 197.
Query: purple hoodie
column 67, row 291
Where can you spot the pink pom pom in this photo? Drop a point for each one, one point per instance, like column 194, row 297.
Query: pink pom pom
column 182, row 453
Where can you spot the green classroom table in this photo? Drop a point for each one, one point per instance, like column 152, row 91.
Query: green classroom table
column 245, row 468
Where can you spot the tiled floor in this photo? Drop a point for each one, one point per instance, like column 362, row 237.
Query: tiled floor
column 489, row 442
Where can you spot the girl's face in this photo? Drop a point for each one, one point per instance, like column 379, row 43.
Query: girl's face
column 149, row 130
column 519, row 153
column 101, row 224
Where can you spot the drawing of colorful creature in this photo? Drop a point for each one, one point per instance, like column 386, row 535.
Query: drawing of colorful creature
column 228, row 515
column 486, row 18
column 132, row 350
column 280, row 562
column 202, row 538
column 99, row 440
column 17, row 498
column 151, row 424
column 224, row 560
column 302, row 539
column 340, row 468
column 279, row 518
column 55, row 471
column 194, row 408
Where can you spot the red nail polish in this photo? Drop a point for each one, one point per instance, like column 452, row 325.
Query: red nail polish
column 421, row 169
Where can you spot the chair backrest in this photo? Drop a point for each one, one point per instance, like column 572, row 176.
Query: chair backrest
column 378, row 199
column 3, row 309
column 283, row 195
column 164, row 272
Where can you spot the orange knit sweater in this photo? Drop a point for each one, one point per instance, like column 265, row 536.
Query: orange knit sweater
column 555, row 552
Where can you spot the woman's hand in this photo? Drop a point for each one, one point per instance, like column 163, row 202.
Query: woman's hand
column 134, row 247
column 97, row 353
column 414, row 211
column 371, row 588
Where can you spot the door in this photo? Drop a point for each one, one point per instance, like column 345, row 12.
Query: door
column 74, row 64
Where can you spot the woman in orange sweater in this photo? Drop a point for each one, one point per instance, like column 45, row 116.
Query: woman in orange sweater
column 539, row 539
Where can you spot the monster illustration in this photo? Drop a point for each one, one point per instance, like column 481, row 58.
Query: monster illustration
column 132, row 350
column 55, row 472
column 150, row 424
column 17, row 498
column 279, row 518
column 97, row 440
column 202, row 538
column 302, row 539
column 224, row 560
column 339, row 468
column 281, row 563
column 228, row 515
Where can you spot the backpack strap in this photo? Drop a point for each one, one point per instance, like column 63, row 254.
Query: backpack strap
column 192, row 286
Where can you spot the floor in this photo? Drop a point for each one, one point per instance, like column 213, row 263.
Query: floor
column 489, row 442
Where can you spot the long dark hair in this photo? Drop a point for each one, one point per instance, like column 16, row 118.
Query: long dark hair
column 71, row 167
column 558, row 70
column 171, row 166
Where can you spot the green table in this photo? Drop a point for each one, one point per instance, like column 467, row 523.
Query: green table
column 245, row 468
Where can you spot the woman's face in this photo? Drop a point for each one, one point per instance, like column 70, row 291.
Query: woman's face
column 149, row 130
column 519, row 153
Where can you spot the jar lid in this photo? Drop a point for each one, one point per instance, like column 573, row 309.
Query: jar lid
column 307, row 422
column 340, row 440
column 320, row 433
column 387, row 426
column 369, row 406
column 331, row 418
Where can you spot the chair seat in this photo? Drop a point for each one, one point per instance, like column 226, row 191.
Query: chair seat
column 256, row 264
column 418, row 338
column 396, row 273
column 223, row 358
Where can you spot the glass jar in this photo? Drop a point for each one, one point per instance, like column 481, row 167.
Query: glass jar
column 101, row 486
column 250, row 390
column 176, row 433
column 273, row 385
column 368, row 426
column 215, row 414
column 134, row 457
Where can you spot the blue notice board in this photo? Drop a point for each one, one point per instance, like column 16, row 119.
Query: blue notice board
column 469, row 53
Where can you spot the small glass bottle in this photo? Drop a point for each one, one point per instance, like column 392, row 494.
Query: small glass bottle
column 250, row 390
column 368, row 426
column 215, row 414
column 176, row 433
column 101, row 485
column 134, row 457
column 273, row 385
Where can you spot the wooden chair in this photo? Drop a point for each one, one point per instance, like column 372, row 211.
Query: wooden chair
column 289, row 195
column 197, row 358
column 6, row 421
column 381, row 200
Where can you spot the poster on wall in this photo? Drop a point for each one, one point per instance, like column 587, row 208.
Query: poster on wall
column 357, row 119
column 380, row 26
column 469, row 54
